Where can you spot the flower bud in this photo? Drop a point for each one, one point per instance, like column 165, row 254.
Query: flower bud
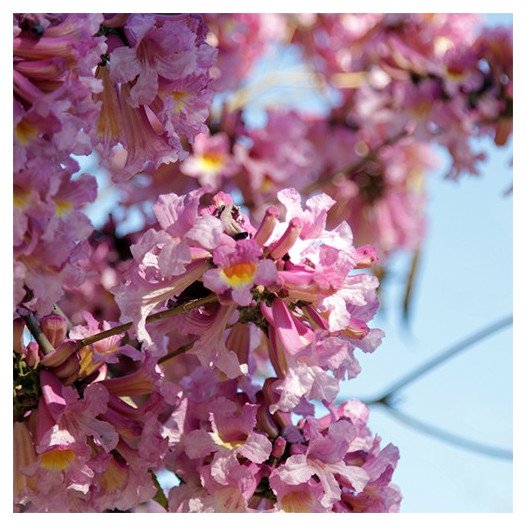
column 54, row 327
column 366, row 256
column 279, row 447
column 267, row 225
column 264, row 419
column 32, row 354
column 287, row 240
column 60, row 354
column 18, row 335
column 356, row 329
column 68, row 370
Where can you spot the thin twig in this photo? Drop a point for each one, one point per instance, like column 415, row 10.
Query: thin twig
column 38, row 334
column 355, row 166
column 60, row 312
column 175, row 353
column 441, row 358
column 409, row 286
column 446, row 436
column 386, row 400
column 186, row 307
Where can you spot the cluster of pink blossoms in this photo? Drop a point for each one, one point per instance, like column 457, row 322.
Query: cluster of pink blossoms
column 281, row 302
column 54, row 116
column 434, row 71
column 289, row 308
column 133, row 88
column 85, row 439
column 403, row 83
column 234, row 338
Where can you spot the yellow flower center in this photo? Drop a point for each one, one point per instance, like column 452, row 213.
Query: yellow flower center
column 20, row 197
column 62, row 207
column 57, row 459
column 421, row 109
column 455, row 75
column 239, row 274
column 25, row 132
column 297, row 502
column 179, row 97
column 114, row 477
column 211, row 162
column 227, row 445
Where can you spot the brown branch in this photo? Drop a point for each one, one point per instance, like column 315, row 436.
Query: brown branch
column 186, row 307
column 387, row 396
column 409, row 286
column 355, row 166
column 175, row 353
column 60, row 312
column 447, row 436
column 34, row 328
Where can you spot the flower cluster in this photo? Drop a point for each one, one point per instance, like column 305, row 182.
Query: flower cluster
column 242, row 459
column 293, row 277
column 432, row 71
column 96, row 417
column 86, row 439
column 54, row 116
column 235, row 333
column 156, row 93
column 134, row 88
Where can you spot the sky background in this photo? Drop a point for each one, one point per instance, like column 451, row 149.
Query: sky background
column 464, row 283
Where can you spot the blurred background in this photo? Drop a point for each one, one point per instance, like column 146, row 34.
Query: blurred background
column 463, row 285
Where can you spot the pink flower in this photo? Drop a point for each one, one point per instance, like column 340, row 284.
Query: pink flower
column 51, row 231
column 164, row 50
column 232, row 434
column 239, row 269
column 155, row 92
column 164, row 261
column 210, row 161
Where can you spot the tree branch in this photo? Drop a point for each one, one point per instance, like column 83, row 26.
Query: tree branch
column 440, row 359
column 186, row 307
column 175, row 353
column 34, row 328
column 355, row 166
column 446, row 436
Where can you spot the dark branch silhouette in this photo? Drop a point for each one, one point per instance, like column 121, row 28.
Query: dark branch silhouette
column 440, row 358
column 387, row 400
column 448, row 437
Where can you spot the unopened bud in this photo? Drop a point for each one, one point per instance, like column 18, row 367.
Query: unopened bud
column 366, row 256
column 54, row 326
column 18, row 335
column 278, row 449
column 68, row 371
column 356, row 329
column 287, row 240
column 60, row 354
column 267, row 225
column 270, row 397
column 32, row 354
column 265, row 421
